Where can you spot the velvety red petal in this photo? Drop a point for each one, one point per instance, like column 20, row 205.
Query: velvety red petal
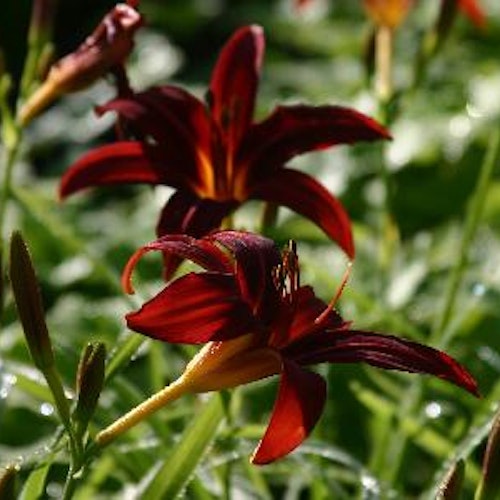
column 292, row 130
column 300, row 402
column 179, row 124
column 234, row 82
column 200, row 251
column 194, row 309
column 300, row 318
column 383, row 351
column 306, row 196
column 188, row 214
column 473, row 11
column 118, row 163
column 256, row 257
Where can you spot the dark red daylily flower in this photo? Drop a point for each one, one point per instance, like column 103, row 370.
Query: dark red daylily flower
column 216, row 156
column 257, row 320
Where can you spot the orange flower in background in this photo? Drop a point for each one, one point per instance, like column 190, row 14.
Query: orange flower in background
column 392, row 13
column 389, row 13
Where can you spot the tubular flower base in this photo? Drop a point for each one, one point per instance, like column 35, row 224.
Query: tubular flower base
column 256, row 320
column 216, row 156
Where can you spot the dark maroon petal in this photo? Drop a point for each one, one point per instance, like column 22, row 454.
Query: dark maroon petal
column 200, row 251
column 188, row 214
column 299, row 320
column 118, row 163
column 306, row 196
column 383, row 351
column 300, row 402
column 256, row 257
column 179, row 124
column 194, row 309
column 234, row 83
column 292, row 130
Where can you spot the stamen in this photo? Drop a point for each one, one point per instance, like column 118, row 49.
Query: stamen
column 340, row 289
column 286, row 276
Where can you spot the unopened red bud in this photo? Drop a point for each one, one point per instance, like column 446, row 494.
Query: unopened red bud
column 8, row 483
column 105, row 49
column 451, row 487
column 489, row 486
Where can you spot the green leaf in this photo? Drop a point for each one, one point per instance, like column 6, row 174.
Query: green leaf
column 176, row 470
column 35, row 484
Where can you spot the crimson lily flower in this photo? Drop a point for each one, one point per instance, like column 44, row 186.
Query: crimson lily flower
column 216, row 156
column 257, row 320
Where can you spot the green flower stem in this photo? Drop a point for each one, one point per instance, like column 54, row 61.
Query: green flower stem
column 383, row 64
column 384, row 92
column 56, row 388
column 142, row 411
column 442, row 335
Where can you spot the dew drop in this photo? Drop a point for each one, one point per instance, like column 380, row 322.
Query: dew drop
column 46, row 409
column 478, row 290
column 433, row 410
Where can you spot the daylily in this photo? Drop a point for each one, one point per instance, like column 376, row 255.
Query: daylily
column 256, row 319
column 216, row 157
column 391, row 13
column 103, row 52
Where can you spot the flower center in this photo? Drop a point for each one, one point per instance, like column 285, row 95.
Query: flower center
column 286, row 276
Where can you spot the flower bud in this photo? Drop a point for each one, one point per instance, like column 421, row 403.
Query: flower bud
column 8, row 483
column 29, row 304
column 89, row 383
column 105, row 49
column 489, row 486
column 388, row 13
column 451, row 487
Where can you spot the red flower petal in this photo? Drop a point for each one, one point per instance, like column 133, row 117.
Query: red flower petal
column 306, row 196
column 201, row 252
column 301, row 398
column 188, row 214
column 473, row 11
column 179, row 124
column 234, row 82
column 305, row 309
column 194, row 309
column 292, row 130
column 118, row 163
column 256, row 257
column 383, row 351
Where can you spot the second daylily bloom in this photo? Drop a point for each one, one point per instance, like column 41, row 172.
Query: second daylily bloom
column 257, row 320
column 216, row 156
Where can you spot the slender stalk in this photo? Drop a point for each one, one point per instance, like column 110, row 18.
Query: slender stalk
column 442, row 335
column 142, row 411
column 383, row 63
